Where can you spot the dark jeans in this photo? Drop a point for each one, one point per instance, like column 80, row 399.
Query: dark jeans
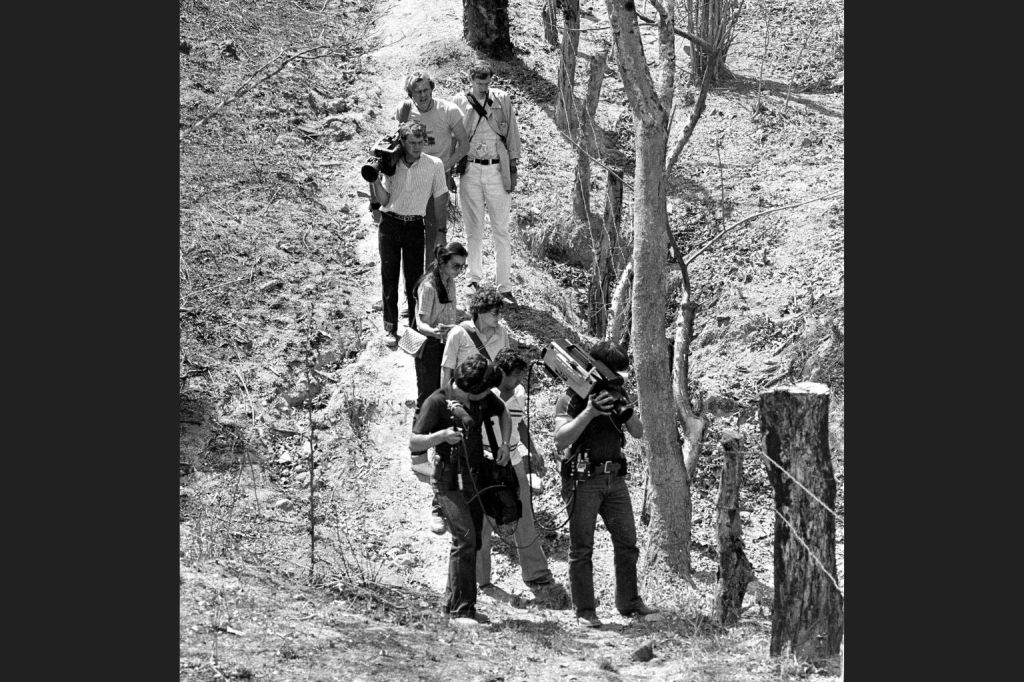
column 401, row 246
column 428, row 380
column 465, row 522
column 607, row 495
column 428, row 370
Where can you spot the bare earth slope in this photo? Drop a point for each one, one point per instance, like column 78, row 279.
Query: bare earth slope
column 279, row 278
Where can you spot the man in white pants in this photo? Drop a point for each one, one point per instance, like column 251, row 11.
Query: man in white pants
column 490, row 175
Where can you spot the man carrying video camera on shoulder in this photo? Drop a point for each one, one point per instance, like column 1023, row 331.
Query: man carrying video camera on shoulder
column 403, row 198
column 450, row 422
column 589, row 432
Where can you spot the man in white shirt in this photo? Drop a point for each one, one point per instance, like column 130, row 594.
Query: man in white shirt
column 446, row 139
column 403, row 200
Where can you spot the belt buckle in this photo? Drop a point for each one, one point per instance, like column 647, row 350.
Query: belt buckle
column 604, row 466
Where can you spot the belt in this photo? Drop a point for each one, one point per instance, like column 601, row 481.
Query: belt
column 485, row 162
column 607, row 467
column 403, row 218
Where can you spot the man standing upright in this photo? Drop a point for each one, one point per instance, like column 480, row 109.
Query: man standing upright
column 446, row 139
column 403, row 199
column 490, row 175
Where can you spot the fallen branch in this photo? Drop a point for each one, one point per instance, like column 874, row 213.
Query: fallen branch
column 711, row 241
column 247, row 85
column 680, row 32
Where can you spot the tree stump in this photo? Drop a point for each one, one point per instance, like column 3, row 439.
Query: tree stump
column 734, row 569
column 807, row 611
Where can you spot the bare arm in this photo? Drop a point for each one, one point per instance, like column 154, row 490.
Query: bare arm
column 461, row 142
column 567, row 429
column 418, row 442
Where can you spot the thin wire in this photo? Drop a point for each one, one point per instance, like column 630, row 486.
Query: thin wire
column 790, row 477
column 809, row 552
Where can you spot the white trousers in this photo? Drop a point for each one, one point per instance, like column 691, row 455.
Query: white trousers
column 481, row 188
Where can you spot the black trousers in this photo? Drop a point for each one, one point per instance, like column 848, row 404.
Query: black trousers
column 401, row 247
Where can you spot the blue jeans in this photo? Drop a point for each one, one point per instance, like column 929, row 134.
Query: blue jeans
column 464, row 522
column 401, row 247
column 607, row 495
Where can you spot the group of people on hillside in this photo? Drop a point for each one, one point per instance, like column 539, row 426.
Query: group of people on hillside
column 469, row 373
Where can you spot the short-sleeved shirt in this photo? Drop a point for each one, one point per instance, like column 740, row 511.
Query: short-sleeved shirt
column 435, row 415
column 602, row 439
column 411, row 186
column 515, row 406
column 430, row 307
column 459, row 346
column 441, row 120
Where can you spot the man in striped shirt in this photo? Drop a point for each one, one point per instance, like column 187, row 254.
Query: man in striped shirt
column 403, row 200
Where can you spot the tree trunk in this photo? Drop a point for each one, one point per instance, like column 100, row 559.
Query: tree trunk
column 693, row 424
column 807, row 613
column 565, row 106
column 549, row 15
column 485, row 27
column 589, row 144
column 734, row 569
column 622, row 308
column 669, row 531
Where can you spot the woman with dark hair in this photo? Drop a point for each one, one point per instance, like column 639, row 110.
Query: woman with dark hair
column 435, row 316
column 436, row 313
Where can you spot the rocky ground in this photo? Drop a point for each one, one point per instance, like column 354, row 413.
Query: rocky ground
column 281, row 366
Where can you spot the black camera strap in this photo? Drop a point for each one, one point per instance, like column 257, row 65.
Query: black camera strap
column 476, row 341
column 483, row 115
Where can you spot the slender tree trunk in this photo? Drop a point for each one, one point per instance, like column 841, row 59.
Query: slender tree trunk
column 622, row 308
column 588, row 143
column 565, row 106
column 485, row 26
column 668, row 539
column 807, row 613
column 734, row 569
column 549, row 15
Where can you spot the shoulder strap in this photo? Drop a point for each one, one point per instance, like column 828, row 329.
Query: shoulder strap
column 403, row 113
column 491, row 439
column 479, row 108
column 476, row 341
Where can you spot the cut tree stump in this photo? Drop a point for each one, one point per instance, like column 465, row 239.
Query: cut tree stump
column 734, row 569
column 807, row 611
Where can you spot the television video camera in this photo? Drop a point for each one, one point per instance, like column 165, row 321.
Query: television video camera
column 586, row 376
column 386, row 153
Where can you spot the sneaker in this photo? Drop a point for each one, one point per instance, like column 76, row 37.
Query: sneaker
column 390, row 340
column 509, row 298
column 640, row 611
column 543, row 582
column 589, row 620
column 437, row 525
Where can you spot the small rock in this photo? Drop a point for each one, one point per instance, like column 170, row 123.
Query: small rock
column 302, row 480
column 806, row 142
column 285, row 458
column 644, row 653
column 653, row 618
column 283, row 504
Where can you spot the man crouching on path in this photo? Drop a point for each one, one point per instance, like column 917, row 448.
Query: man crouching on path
column 403, row 204
column 450, row 421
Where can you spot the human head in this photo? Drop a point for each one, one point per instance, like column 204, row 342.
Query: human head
column 413, row 135
column 512, row 365
column 480, row 74
column 449, row 259
column 485, row 299
column 613, row 355
column 420, row 88
column 474, row 377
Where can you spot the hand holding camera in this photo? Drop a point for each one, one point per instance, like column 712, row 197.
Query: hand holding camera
column 451, row 435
